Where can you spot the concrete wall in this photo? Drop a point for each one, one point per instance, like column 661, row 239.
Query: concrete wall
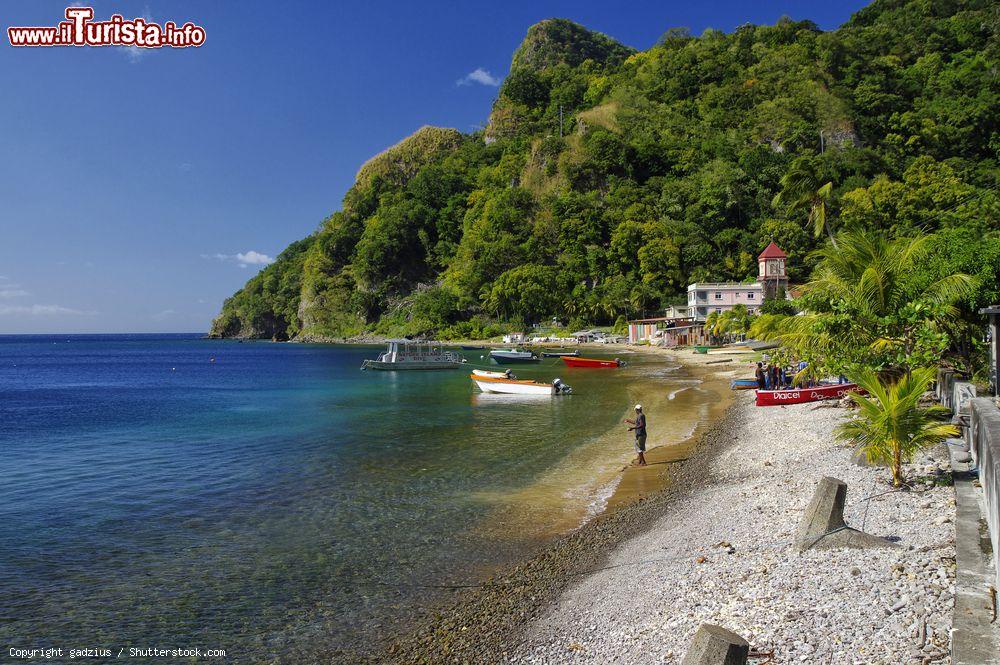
column 983, row 437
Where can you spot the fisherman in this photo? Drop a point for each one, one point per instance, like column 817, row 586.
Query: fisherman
column 639, row 427
column 775, row 377
column 761, row 377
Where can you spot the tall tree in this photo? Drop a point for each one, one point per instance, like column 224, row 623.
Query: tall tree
column 803, row 189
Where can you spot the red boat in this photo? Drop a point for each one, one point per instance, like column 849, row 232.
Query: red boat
column 804, row 395
column 591, row 362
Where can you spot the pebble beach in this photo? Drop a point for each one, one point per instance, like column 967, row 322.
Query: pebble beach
column 717, row 545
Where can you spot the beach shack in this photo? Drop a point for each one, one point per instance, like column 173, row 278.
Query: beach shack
column 688, row 334
column 664, row 331
column 514, row 338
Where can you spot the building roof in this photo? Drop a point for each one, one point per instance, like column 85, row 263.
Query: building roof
column 660, row 319
column 725, row 285
column 772, row 251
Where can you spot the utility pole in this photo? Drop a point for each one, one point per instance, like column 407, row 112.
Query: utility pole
column 560, row 121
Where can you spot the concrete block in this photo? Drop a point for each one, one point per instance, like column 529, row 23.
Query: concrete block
column 823, row 525
column 714, row 645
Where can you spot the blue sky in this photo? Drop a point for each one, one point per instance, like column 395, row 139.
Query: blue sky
column 140, row 190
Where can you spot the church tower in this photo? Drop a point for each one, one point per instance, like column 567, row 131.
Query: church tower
column 772, row 273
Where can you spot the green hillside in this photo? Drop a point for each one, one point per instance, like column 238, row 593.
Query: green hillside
column 665, row 171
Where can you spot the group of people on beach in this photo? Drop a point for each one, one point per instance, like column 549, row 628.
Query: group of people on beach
column 773, row 376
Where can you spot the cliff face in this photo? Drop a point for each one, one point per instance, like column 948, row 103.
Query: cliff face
column 607, row 179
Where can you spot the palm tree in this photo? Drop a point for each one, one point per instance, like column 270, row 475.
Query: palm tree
column 891, row 426
column 864, row 306
column 712, row 324
column 802, row 189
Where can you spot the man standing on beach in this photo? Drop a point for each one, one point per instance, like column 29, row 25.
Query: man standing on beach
column 639, row 427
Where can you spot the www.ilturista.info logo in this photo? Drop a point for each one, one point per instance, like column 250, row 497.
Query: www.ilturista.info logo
column 80, row 30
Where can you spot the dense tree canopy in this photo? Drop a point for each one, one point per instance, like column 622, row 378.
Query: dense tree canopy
column 608, row 179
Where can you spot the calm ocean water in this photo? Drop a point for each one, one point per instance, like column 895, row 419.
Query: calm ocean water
column 279, row 503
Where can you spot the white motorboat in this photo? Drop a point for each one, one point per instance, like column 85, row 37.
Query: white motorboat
column 506, row 356
column 516, row 387
column 506, row 374
column 406, row 354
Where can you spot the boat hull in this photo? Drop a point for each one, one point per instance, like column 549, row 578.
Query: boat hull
column 513, row 360
column 590, row 362
column 743, row 384
column 410, row 365
column 492, row 375
column 804, row 395
column 509, row 387
column 560, row 354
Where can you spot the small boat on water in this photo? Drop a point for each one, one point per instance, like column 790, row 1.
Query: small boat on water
column 559, row 354
column 805, row 395
column 743, row 384
column 508, row 356
column 470, row 347
column 506, row 374
column 592, row 362
column 407, row 354
column 516, row 387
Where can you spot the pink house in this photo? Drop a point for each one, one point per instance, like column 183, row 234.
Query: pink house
column 707, row 297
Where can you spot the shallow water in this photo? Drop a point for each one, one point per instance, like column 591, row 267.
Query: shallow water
column 279, row 502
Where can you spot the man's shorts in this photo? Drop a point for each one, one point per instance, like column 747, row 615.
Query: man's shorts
column 640, row 443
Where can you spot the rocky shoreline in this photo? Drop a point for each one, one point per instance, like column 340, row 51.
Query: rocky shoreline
column 726, row 554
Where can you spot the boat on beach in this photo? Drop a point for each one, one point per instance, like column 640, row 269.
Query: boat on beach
column 592, row 362
column 559, row 354
column 518, row 387
column 743, row 384
column 407, row 354
column 508, row 356
column 805, row 395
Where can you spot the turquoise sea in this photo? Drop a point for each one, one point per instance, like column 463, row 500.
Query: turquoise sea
column 278, row 502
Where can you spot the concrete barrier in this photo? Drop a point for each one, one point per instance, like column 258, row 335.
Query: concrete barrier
column 943, row 387
column 823, row 526
column 714, row 645
column 983, row 437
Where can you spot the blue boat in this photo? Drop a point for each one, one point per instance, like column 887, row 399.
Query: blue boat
column 743, row 384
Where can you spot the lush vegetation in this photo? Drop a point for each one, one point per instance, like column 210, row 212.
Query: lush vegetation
column 608, row 179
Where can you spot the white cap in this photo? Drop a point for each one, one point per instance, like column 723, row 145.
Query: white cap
column 638, row 407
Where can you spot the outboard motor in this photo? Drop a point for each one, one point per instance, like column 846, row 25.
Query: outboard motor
column 561, row 387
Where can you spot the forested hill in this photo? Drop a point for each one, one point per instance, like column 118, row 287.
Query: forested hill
column 664, row 171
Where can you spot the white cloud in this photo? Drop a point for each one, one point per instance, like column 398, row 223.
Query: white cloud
column 164, row 315
column 39, row 310
column 254, row 258
column 480, row 76
column 244, row 259
column 8, row 291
